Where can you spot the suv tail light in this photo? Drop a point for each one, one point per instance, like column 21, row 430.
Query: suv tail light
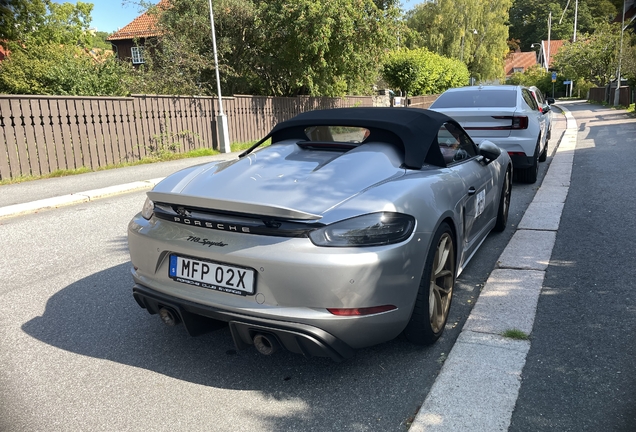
column 518, row 122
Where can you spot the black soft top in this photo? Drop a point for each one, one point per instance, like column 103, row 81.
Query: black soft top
column 412, row 129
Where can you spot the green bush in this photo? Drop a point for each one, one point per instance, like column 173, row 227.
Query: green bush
column 63, row 70
column 421, row 72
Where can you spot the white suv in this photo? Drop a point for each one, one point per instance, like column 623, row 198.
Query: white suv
column 509, row 116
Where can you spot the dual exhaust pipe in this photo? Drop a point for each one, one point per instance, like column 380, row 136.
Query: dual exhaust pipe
column 265, row 344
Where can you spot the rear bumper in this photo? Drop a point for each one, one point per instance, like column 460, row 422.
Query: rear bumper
column 199, row 319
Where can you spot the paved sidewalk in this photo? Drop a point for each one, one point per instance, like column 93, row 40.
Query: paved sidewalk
column 479, row 383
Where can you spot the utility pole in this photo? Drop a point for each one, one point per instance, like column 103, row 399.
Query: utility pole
column 547, row 60
column 221, row 119
column 620, row 58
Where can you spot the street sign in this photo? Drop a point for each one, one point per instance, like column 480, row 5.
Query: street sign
column 567, row 82
column 553, row 76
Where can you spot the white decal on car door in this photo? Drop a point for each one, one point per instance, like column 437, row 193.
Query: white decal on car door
column 480, row 203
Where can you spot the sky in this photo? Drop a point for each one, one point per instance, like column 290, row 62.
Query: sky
column 110, row 15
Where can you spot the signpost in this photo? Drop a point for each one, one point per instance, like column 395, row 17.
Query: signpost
column 568, row 82
column 553, row 76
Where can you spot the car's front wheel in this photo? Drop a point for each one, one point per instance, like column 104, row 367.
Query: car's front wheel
column 504, row 203
column 436, row 290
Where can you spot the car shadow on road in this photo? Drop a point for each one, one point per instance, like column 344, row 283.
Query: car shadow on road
column 98, row 317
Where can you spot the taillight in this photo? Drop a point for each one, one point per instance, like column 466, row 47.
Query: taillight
column 361, row 311
column 518, row 122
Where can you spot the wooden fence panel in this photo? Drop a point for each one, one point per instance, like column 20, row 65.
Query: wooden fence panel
column 190, row 127
column 79, row 148
column 132, row 130
column 38, row 132
column 111, row 126
column 193, row 138
column 170, row 115
column 178, row 121
column 95, row 133
column 49, row 141
column 142, row 123
column 67, row 135
column 10, row 140
column 20, row 137
column 5, row 128
column 57, row 144
column 206, row 140
column 110, row 142
column 29, row 129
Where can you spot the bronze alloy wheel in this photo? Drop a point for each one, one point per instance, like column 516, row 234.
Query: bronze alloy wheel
column 504, row 204
column 435, row 292
column 442, row 281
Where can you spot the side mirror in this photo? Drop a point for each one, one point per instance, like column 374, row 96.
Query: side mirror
column 550, row 100
column 546, row 108
column 489, row 151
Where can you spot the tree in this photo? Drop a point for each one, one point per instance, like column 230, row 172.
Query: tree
column 592, row 57
column 49, row 44
column 477, row 36
column 38, row 22
column 628, row 64
column 529, row 19
column 276, row 47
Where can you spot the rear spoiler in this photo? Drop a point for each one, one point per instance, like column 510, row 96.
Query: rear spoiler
column 232, row 206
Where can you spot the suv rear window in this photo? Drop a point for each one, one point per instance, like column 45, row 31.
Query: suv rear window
column 477, row 98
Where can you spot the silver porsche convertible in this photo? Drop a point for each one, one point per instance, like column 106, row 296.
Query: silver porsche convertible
column 349, row 228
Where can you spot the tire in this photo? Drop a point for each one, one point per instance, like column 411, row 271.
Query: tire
column 435, row 293
column 504, row 203
column 530, row 174
column 544, row 154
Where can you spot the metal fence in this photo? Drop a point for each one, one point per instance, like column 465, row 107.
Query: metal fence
column 42, row 134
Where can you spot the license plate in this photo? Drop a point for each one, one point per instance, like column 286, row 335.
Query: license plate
column 207, row 274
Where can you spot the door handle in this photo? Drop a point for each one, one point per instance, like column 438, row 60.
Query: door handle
column 471, row 191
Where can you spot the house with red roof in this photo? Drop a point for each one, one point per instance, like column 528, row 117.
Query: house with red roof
column 128, row 42
column 547, row 51
column 518, row 61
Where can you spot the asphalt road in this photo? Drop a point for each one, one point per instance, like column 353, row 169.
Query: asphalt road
column 77, row 353
column 580, row 373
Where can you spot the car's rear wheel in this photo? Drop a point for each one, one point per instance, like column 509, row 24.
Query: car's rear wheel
column 530, row 174
column 504, row 203
column 436, row 290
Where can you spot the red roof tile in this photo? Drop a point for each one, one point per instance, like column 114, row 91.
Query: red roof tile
column 145, row 25
column 520, row 60
column 555, row 46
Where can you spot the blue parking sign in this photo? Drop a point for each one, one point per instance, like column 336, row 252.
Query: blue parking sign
column 553, row 76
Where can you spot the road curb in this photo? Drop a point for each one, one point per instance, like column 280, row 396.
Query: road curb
column 76, row 198
column 478, row 386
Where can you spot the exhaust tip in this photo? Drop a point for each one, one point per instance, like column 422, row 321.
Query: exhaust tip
column 265, row 344
column 169, row 317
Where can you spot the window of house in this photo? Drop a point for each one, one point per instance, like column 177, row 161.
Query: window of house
column 137, row 55
column 517, row 69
